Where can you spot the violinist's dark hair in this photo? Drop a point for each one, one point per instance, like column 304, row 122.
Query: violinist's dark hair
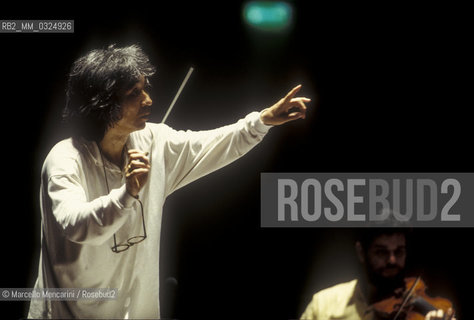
column 389, row 226
column 367, row 235
column 94, row 84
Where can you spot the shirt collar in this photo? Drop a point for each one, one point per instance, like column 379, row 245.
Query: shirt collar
column 92, row 150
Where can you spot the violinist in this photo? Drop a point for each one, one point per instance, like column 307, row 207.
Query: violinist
column 382, row 254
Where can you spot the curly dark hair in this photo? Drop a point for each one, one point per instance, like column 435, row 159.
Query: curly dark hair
column 94, row 84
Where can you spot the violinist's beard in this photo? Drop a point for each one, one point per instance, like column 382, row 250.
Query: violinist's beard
column 386, row 285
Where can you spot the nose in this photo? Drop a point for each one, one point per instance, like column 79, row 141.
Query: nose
column 147, row 100
column 392, row 259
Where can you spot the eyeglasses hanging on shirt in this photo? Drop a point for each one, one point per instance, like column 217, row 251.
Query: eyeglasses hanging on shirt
column 121, row 247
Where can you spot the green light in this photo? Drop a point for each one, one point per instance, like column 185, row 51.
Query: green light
column 268, row 15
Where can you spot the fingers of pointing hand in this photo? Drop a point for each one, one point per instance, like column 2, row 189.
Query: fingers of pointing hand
column 299, row 104
column 295, row 116
column 292, row 92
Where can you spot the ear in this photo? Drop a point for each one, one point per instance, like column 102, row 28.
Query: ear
column 360, row 251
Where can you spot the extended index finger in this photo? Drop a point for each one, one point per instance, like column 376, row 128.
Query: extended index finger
column 292, row 92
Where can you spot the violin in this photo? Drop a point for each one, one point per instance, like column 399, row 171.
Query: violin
column 411, row 304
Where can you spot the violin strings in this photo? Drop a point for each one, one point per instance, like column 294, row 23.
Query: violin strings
column 407, row 297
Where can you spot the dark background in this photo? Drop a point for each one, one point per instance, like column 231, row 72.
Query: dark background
column 388, row 84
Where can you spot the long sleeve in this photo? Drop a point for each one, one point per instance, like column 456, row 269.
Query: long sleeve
column 82, row 221
column 190, row 155
column 310, row 312
column 337, row 302
column 75, row 201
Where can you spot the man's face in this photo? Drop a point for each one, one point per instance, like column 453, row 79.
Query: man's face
column 136, row 108
column 386, row 255
column 384, row 259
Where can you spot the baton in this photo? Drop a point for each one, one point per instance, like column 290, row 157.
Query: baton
column 177, row 94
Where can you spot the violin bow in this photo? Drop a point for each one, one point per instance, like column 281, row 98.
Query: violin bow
column 186, row 78
column 407, row 297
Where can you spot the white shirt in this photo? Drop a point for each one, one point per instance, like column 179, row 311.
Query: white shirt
column 79, row 216
column 343, row 301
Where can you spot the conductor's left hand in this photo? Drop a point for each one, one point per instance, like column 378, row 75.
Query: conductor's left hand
column 287, row 109
column 137, row 171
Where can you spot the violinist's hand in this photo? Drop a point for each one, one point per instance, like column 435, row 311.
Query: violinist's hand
column 287, row 109
column 440, row 315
